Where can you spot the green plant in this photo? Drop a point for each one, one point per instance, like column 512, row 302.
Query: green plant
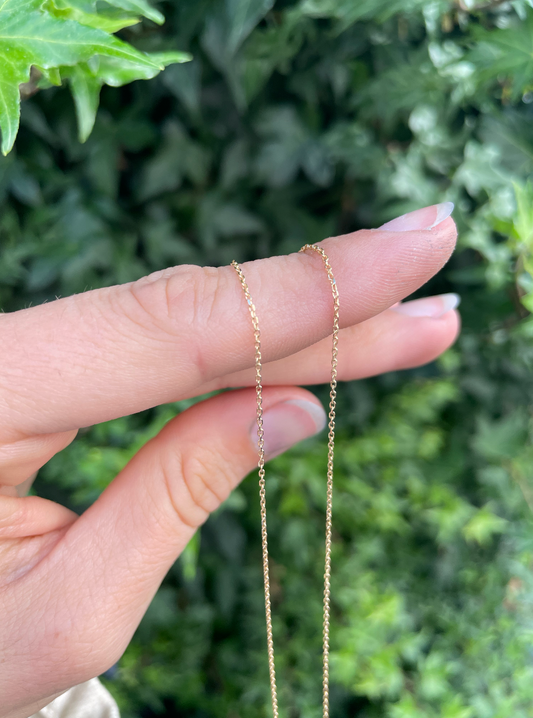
column 70, row 40
column 295, row 121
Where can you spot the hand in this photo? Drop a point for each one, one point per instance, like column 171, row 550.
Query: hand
column 74, row 588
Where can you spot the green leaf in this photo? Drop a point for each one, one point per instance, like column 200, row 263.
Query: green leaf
column 26, row 5
column 35, row 38
column 455, row 708
column 285, row 148
column 502, row 439
column 9, row 104
column 507, row 52
column 406, row 708
column 189, row 557
column 178, row 157
column 38, row 38
column 134, row 9
column 115, row 71
column 85, row 88
column 141, row 7
column 347, row 11
column 523, row 223
column 243, row 16
column 226, row 29
column 483, row 526
column 68, row 10
column 183, row 80
column 51, row 75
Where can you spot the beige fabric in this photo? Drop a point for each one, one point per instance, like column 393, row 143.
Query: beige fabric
column 88, row 700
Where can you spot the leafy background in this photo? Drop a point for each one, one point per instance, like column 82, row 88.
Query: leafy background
column 296, row 120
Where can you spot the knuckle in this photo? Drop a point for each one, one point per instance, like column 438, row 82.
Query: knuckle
column 208, row 478
column 184, row 304
column 197, row 484
column 188, row 293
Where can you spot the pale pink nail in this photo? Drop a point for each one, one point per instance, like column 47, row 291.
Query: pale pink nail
column 287, row 423
column 425, row 218
column 434, row 307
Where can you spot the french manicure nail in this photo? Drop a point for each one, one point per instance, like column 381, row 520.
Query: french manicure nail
column 287, row 423
column 434, row 307
column 425, row 218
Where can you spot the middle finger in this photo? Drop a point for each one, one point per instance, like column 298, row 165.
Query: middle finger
column 387, row 342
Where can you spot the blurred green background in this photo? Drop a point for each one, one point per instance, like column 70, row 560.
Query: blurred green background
column 296, row 120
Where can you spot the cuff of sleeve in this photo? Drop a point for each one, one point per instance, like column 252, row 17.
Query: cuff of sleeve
column 88, row 700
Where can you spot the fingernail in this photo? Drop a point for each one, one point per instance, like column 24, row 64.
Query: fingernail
column 425, row 218
column 434, row 307
column 287, row 423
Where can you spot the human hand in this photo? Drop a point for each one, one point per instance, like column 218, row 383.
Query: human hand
column 73, row 589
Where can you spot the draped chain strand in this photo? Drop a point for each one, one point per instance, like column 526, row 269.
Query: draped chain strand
column 262, row 493
column 329, row 490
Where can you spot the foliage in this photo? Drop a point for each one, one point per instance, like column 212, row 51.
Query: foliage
column 69, row 39
column 295, row 121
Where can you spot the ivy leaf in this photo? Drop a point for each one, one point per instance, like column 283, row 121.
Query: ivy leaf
column 25, row 5
column 141, row 7
column 501, row 439
column 506, row 52
column 523, row 223
column 72, row 10
column 86, row 82
column 347, row 12
column 115, row 72
column 243, row 16
column 85, row 88
column 226, row 29
column 135, row 8
column 50, row 76
column 29, row 37
column 483, row 526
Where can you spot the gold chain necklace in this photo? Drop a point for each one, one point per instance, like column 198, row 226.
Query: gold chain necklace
column 329, row 491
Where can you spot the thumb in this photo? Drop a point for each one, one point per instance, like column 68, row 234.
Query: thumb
column 110, row 561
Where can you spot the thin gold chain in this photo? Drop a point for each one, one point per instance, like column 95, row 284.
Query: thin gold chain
column 262, row 494
column 329, row 494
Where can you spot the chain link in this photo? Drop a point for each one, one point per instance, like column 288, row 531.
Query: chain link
column 329, row 492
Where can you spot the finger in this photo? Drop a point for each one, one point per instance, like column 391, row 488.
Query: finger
column 391, row 341
column 388, row 342
column 107, row 353
column 22, row 458
column 30, row 516
column 109, row 563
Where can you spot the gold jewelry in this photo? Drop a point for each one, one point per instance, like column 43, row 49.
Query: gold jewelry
column 329, row 492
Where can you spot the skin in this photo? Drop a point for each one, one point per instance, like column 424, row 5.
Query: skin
column 74, row 588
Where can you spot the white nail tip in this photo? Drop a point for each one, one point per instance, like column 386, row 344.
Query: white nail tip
column 444, row 210
column 434, row 307
column 314, row 410
column 449, row 301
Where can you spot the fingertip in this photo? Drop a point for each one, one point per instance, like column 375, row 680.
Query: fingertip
column 426, row 338
column 447, row 230
column 31, row 516
column 289, row 422
column 433, row 307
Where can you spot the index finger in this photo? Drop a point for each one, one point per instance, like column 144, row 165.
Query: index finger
column 110, row 352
